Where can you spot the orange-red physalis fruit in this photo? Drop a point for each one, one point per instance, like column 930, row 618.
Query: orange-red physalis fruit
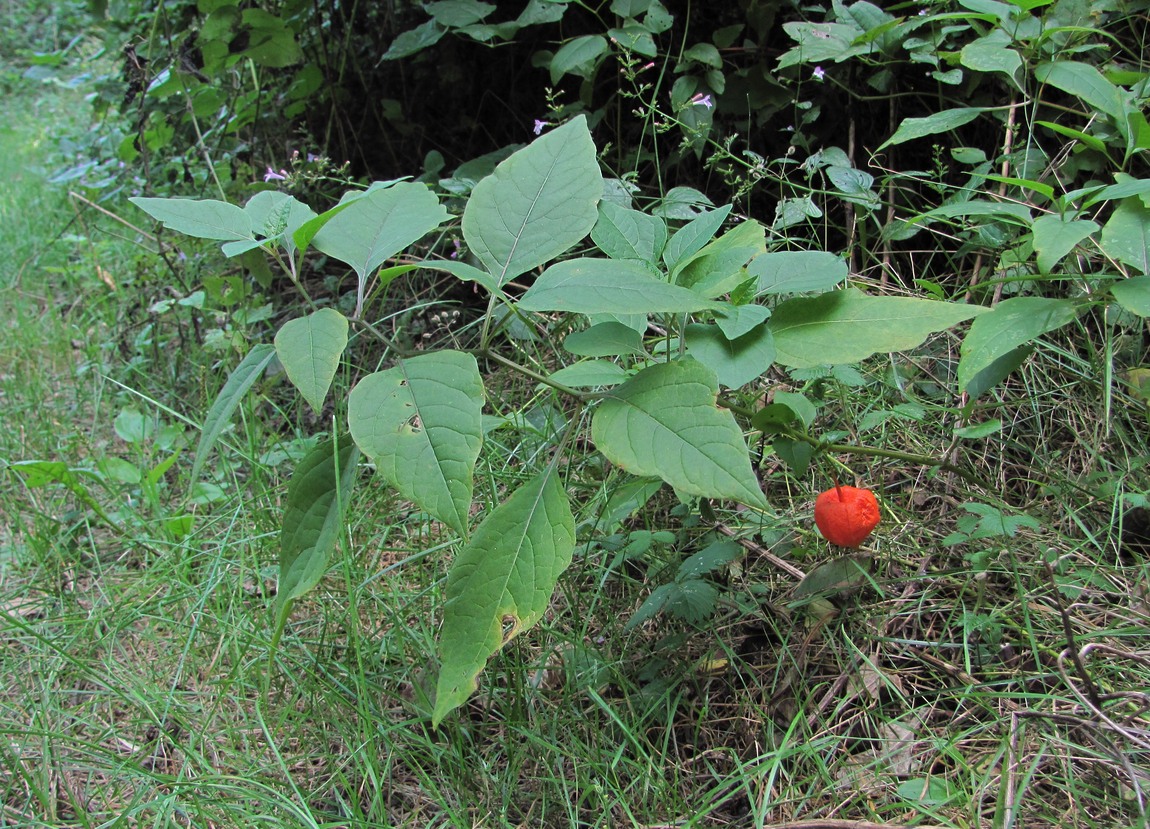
column 846, row 515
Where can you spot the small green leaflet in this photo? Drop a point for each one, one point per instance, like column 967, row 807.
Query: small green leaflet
column 605, row 286
column 421, row 422
column 507, row 571
column 317, row 498
column 735, row 362
column 310, row 349
column 539, row 202
column 848, row 326
column 242, row 378
column 1010, row 324
column 605, row 339
column 663, row 422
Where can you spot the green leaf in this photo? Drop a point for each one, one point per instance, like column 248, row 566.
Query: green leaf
column 992, row 54
column 622, row 233
column 736, row 320
column 588, row 373
column 276, row 216
column 663, row 422
column 468, row 273
column 604, row 286
column 1006, row 211
column 421, row 422
column 310, row 348
column 242, row 378
column 201, row 218
column 1084, row 81
column 459, row 12
column 1010, row 324
column 848, row 326
column 607, row 339
column 692, row 236
column 735, row 362
column 578, row 57
column 977, row 431
column 317, row 498
column 997, row 371
column 1055, row 236
column 933, row 124
column 1133, row 294
column 1126, row 235
column 793, row 272
column 717, row 267
column 415, row 40
column 380, row 224
column 539, row 202
column 501, row 583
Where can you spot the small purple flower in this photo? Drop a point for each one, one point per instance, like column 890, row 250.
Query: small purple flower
column 819, row 74
column 702, row 100
column 272, row 175
column 539, row 125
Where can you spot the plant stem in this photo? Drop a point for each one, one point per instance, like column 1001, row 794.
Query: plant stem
column 534, row 375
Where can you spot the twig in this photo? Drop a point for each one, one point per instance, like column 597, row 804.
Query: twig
column 762, row 552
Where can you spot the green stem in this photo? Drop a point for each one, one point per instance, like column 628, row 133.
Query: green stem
column 534, row 375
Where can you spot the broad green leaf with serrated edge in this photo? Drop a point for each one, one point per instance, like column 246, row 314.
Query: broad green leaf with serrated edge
column 1126, row 235
column 539, row 202
column 309, row 348
column 506, row 573
column 201, row 218
column 317, row 498
column 933, row 124
column 735, row 362
column 847, row 326
column 663, row 422
column 1055, row 236
column 692, row 236
column 242, row 378
column 622, row 233
column 604, row 286
column 1010, row 324
column 1133, row 294
column 421, row 422
column 607, row 339
column 374, row 228
column 793, row 272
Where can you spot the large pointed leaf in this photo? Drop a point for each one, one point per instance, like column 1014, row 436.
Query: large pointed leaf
column 1055, row 236
column 317, row 498
column 242, row 378
column 1084, row 81
column 691, row 237
column 944, row 121
column 1133, row 294
column 421, row 422
column 539, row 202
column 605, row 286
column 501, row 582
column 1012, row 322
column 202, row 218
column 309, row 348
column 374, row 228
column 847, row 326
column 664, row 422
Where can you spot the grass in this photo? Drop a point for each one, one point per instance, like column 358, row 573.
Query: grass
column 994, row 681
